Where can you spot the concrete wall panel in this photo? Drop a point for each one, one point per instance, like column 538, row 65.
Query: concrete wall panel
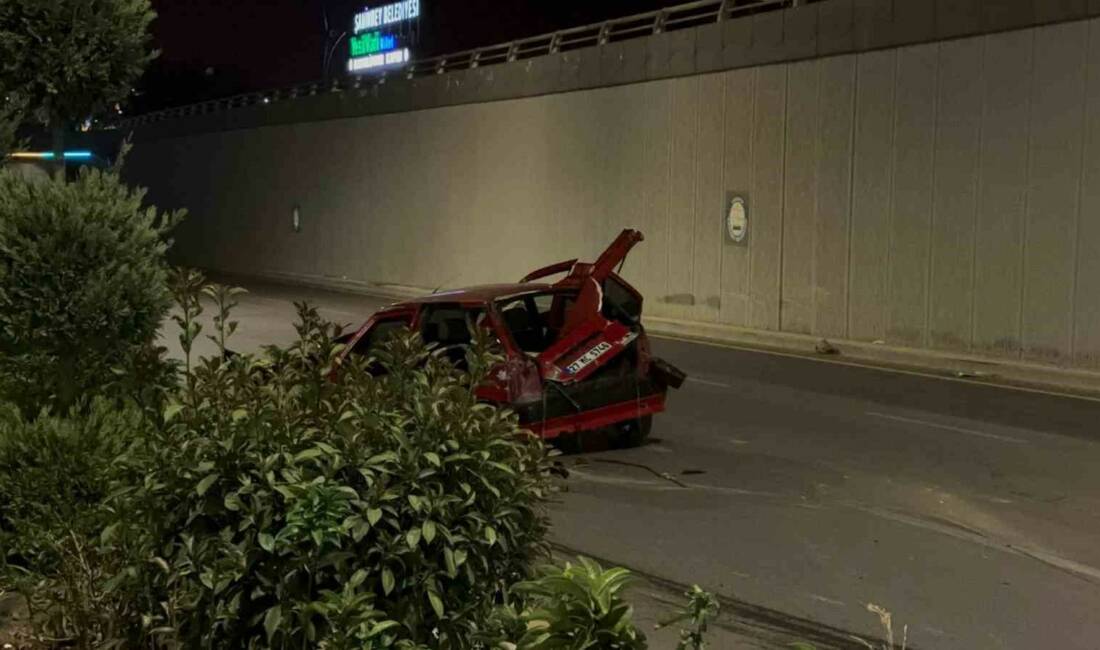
column 958, row 142
column 872, row 195
column 652, row 258
column 956, row 18
column 835, row 27
column 1003, row 195
column 683, row 184
column 769, row 120
column 708, row 225
column 1086, row 341
column 914, row 21
column 911, row 224
column 800, row 198
column 835, row 118
column 1057, row 116
column 708, row 47
column 738, row 175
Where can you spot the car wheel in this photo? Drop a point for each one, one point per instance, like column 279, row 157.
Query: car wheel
column 633, row 433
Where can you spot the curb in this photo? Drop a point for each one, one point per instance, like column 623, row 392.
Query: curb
column 1004, row 373
column 772, row 627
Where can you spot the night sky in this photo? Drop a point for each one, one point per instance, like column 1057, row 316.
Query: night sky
column 216, row 48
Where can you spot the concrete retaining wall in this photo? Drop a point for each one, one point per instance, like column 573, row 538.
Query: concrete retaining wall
column 943, row 195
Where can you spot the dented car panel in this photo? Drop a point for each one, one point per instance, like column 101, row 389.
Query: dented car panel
column 576, row 356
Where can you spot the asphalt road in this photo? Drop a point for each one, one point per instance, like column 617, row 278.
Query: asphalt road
column 810, row 487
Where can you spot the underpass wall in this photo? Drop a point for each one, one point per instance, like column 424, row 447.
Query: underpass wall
column 943, row 195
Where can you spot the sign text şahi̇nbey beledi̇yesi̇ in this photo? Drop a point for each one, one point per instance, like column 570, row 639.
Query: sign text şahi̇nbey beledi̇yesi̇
column 387, row 15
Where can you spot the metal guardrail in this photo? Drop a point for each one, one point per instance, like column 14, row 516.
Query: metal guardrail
column 681, row 16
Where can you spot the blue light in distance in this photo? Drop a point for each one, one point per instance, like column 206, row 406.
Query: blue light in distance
column 48, row 155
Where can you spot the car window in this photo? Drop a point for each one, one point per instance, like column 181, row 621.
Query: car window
column 379, row 333
column 449, row 325
column 535, row 320
column 449, row 328
column 620, row 303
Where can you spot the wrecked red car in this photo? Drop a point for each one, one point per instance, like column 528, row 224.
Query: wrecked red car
column 576, row 355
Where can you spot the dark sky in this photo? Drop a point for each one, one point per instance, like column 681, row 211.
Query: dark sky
column 213, row 48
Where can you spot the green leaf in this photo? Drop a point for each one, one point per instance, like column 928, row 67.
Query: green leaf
column 204, row 485
column 428, row 529
column 490, row 535
column 437, row 603
column 413, row 537
column 373, row 515
column 433, row 458
column 309, row 454
column 267, row 542
column 384, row 457
column 379, row 628
column 239, row 415
column 172, row 411
column 357, row 578
column 387, row 580
column 449, row 562
column 272, row 620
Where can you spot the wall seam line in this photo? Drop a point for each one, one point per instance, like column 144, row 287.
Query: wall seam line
column 853, row 158
column 930, row 268
column 817, row 202
column 888, row 311
column 783, row 193
column 1080, row 197
column 1027, row 199
column 722, row 192
column 752, row 199
column 979, row 187
column 697, row 92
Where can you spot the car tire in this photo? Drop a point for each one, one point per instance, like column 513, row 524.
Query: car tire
column 633, row 433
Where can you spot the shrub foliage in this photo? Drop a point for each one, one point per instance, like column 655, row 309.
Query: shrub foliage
column 83, row 288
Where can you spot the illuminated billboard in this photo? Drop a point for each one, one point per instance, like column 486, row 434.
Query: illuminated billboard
column 381, row 35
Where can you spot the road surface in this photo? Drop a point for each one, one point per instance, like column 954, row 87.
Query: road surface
column 807, row 488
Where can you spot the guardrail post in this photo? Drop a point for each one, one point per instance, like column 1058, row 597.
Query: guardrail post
column 513, row 49
column 659, row 21
column 555, row 43
column 722, row 9
column 605, row 33
column 475, row 58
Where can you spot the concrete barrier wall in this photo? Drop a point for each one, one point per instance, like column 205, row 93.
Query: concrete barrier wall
column 942, row 195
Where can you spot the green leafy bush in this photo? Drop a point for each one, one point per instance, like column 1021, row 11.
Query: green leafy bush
column 578, row 606
column 700, row 608
column 288, row 509
column 83, row 289
column 55, row 475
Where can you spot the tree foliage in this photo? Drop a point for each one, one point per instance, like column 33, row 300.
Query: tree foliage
column 83, row 288
column 72, row 58
column 12, row 111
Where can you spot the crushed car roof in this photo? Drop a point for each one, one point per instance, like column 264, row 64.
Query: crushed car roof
column 483, row 293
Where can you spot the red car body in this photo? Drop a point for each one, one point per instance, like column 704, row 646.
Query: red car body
column 576, row 357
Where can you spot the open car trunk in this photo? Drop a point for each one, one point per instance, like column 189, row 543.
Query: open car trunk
column 598, row 370
column 589, row 338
